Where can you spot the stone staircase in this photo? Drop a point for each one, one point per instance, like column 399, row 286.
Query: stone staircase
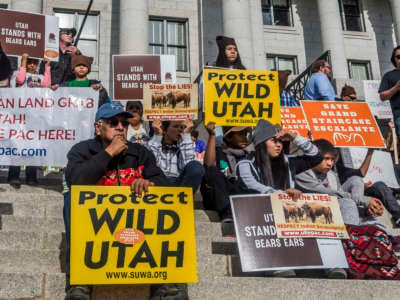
column 32, row 256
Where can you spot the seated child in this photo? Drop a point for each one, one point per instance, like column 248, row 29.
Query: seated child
column 269, row 170
column 220, row 181
column 322, row 179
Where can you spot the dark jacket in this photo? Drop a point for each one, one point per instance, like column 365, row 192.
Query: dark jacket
column 90, row 164
column 61, row 70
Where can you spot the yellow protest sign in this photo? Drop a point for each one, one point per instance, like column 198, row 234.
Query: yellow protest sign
column 118, row 238
column 241, row 97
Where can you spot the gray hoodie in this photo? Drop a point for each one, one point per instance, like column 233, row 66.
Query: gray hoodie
column 310, row 182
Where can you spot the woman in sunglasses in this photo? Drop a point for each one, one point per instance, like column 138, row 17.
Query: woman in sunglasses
column 269, row 170
column 348, row 93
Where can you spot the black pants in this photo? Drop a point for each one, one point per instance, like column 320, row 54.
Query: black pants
column 14, row 171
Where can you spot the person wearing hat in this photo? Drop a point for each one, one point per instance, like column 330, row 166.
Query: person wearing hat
column 108, row 159
column 270, row 170
column 61, row 70
column 220, row 180
column 228, row 53
column 81, row 67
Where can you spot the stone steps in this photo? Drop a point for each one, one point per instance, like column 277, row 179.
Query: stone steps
column 291, row 288
column 41, row 261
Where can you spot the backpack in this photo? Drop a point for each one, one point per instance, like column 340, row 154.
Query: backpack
column 370, row 254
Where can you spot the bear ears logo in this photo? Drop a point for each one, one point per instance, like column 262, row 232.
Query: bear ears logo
column 168, row 76
column 339, row 137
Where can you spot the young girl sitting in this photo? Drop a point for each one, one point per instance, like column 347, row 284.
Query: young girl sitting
column 269, row 170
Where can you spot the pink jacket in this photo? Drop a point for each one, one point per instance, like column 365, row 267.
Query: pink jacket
column 46, row 82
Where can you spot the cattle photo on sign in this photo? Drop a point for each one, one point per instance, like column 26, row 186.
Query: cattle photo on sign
column 304, row 212
column 174, row 99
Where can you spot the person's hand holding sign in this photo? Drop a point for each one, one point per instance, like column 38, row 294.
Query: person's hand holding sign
column 140, row 185
column 294, row 193
column 189, row 125
column 157, row 126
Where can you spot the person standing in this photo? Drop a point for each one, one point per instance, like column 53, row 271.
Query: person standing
column 390, row 88
column 319, row 86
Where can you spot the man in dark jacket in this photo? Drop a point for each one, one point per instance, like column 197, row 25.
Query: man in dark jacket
column 108, row 159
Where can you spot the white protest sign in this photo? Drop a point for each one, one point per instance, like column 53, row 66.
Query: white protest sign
column 380, row 109
column 380, row 168
column 39, row 126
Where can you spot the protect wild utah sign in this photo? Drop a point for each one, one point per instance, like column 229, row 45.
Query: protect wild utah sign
column 240, row 97
column 118, row 238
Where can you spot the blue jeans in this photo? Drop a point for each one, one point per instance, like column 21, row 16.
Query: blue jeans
column 191, row 176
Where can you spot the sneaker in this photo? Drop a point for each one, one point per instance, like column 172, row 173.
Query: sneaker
column 281, row 273
column 336, row 273
column 15, row 183
column 226, row 217
column 396, row 222
column 78, row 293
column 172, row 291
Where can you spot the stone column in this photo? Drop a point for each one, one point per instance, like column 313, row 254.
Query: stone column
column 33, row 6
column 332, row 36
column 259, row 54
column 395, row 5
column 133, row 27
column 236, row 23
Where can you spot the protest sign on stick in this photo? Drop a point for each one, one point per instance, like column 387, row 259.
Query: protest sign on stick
column 293, row 120
column 37, row 35
column 344, row 124
column 380, row 109
column 132, row 71
column 241, row 97
column 170, row 101
column 312, row 215
column 118, row 238
column 39, row 126
column 261, row 249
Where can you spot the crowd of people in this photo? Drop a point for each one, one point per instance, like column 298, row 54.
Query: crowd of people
column 126, row 150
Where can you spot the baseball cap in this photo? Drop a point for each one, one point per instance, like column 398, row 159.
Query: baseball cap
column 109, row 110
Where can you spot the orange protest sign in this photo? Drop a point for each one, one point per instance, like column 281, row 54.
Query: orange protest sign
column 293, row 120
column 344, row 124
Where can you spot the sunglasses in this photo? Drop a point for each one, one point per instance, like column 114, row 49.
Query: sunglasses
column 113, row 122
column 397, row 56
column 353, row 97
column 67, row 32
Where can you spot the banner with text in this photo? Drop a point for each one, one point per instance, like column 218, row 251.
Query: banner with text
column 344, row 124
column 312, row 215
column 132, row 71
column 39, row 126
column 170, row 101
column 293, row 120
column 37, row 35
column 380, row 109
column 118, row 238
column 240, row 97
column 261, row 249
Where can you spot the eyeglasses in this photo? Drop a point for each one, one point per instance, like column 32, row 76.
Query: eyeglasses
column 66, row 32
column 113, row 122
column 353, row 97
column 397, row 56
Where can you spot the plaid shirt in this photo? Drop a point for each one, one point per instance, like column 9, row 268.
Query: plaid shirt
column 287, row 100
column 173, row 162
